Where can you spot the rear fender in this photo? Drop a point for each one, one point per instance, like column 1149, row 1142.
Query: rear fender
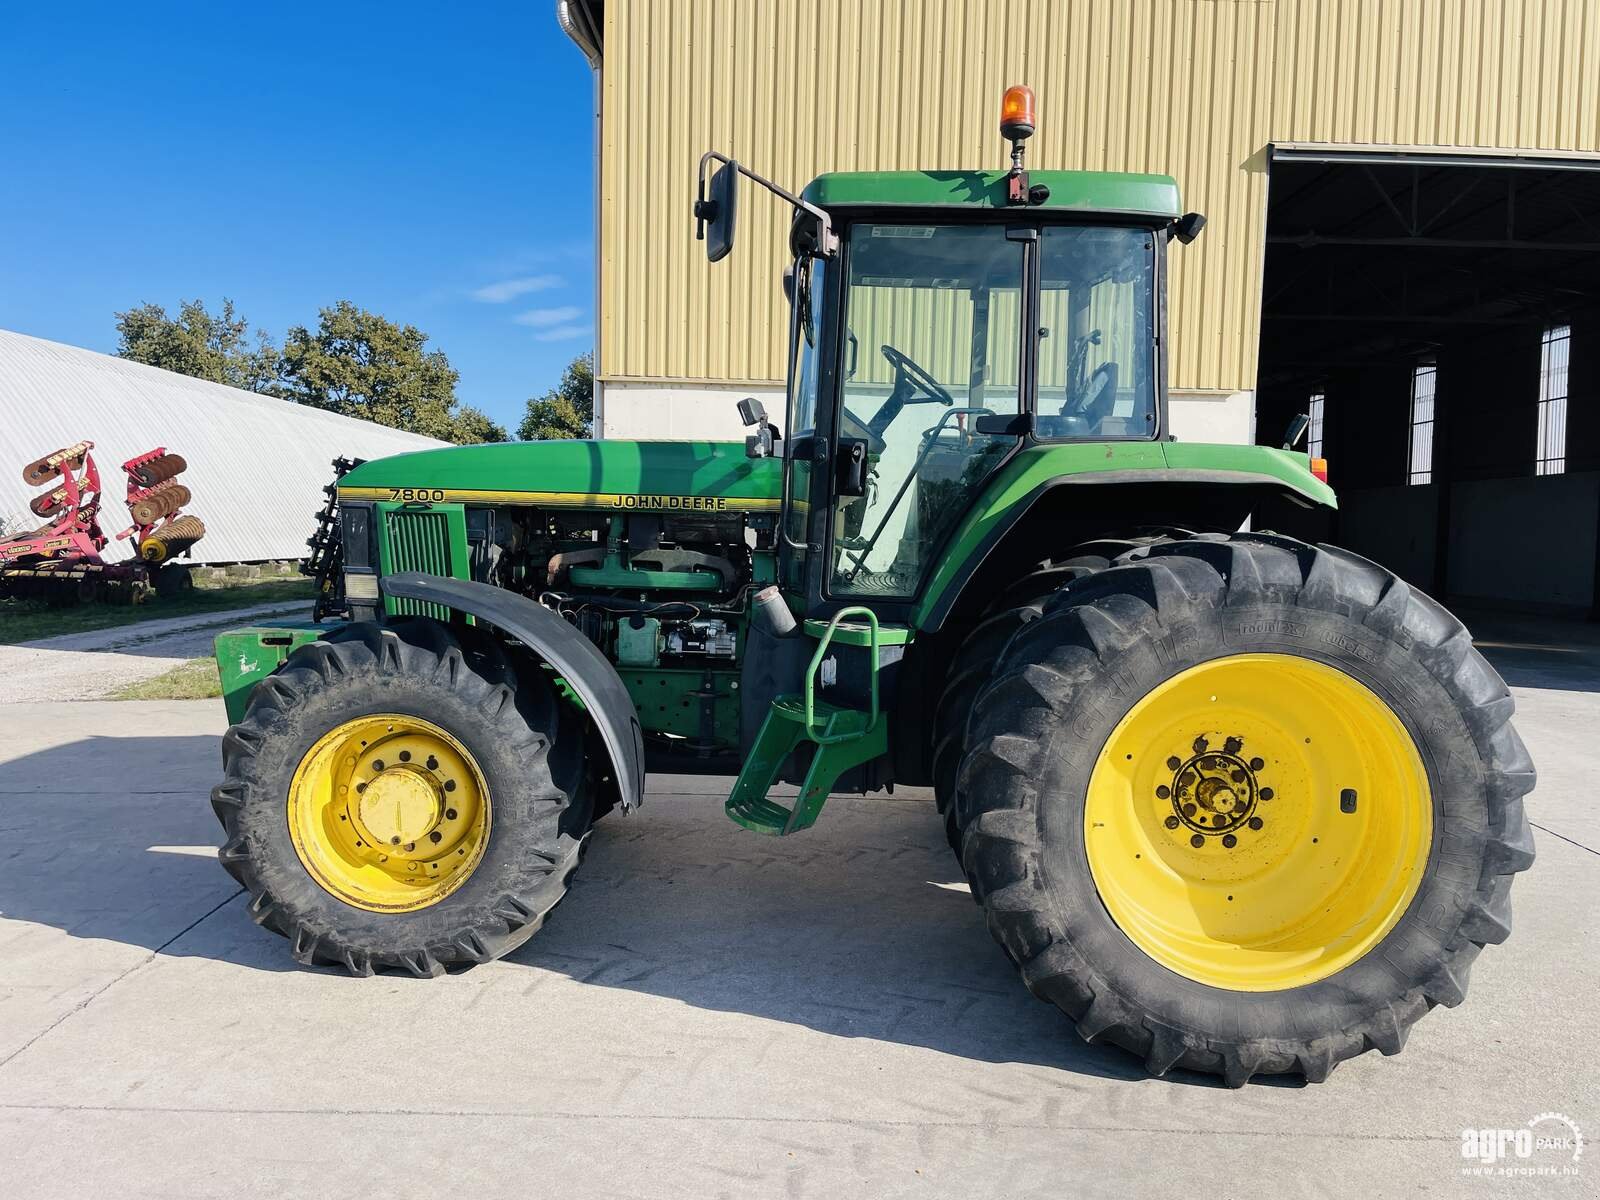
column 573, row 656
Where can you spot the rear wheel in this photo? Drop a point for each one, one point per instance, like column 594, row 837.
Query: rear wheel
column 1242, row 805
column 395, row 798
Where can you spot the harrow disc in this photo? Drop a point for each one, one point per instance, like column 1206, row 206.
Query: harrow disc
column 48, row 503
column 45, row 469
column 161, row 501
column 172, row 539
column 148, row 474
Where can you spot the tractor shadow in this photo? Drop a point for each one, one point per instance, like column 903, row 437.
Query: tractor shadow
column 860, row 928
column 113, row 838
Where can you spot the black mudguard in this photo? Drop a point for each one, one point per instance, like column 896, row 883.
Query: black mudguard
column 575, row 658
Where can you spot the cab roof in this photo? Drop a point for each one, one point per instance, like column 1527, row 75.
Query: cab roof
column 1154, row 196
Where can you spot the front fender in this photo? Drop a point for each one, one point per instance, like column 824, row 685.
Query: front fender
column 574, row 657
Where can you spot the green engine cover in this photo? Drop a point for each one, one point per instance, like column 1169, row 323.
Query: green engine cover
column 686, row 477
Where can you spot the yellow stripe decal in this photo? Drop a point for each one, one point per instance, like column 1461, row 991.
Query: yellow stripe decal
column 649, row 501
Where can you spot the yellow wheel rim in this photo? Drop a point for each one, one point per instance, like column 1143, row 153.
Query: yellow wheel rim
column 389, row 813
column 1258, row 822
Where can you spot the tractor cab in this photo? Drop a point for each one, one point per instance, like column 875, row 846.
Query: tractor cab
column 942, row 321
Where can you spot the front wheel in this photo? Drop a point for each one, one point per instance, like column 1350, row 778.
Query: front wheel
column 1243, row 805
column 397, row 799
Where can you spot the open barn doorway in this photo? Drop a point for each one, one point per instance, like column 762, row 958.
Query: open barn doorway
column 1438, row 315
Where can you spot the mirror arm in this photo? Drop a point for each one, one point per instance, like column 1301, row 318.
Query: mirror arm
column 829, row 242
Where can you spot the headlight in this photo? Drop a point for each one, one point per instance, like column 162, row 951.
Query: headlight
column 360, row 586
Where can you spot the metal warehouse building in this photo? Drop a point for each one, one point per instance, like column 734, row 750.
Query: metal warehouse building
column 1403, row 237
column 257, row 465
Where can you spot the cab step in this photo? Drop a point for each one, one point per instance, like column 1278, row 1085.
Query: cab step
column 844, row 738
column 855, row 738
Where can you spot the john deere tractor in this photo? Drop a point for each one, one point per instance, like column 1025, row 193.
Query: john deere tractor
column 1237, row 803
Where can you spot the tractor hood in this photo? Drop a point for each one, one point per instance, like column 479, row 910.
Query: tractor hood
column 643, row 476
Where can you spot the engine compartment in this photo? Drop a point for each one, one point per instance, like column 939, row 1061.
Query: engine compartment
column 664, row 595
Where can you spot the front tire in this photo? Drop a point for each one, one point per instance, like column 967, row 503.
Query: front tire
column 397, row 799
column 1162, row 891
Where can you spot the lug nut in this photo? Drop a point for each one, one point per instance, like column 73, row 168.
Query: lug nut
column 1255, row 822
column 1174, row 763
column 1172, row 822
column 377, row 764
column 1257, row 763
column 394, row 841
column 449, row 814
column 1200, row 745
column 433, row 763
column 1197, row 841
column 1163, row 792
column 449, row 785
column 1188, row 810
column 436, row 837
column 1266, row 793
column 1229, row 841
column 405, row 756
column 1233, row 745
column 410, row 846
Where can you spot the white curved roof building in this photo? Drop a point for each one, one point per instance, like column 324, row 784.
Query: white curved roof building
column 257, row 465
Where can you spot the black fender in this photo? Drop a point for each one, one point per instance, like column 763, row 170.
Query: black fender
column 1108, row 502
column 574, row 657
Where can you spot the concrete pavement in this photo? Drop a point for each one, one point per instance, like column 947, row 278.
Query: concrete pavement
column 710, row 1013
column 87, row 666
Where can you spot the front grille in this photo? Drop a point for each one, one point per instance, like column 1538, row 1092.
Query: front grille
column 419, row 541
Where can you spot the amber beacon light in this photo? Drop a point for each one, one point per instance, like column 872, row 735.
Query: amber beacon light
column 1016, row 113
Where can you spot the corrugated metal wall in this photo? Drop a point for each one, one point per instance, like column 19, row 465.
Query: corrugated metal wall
column 1194, row 88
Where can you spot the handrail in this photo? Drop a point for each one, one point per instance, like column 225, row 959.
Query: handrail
column 826, row 737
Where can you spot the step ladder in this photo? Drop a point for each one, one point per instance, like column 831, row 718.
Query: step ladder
column 843, row 737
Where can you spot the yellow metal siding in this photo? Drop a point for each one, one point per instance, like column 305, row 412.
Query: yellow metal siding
column 1194, row 88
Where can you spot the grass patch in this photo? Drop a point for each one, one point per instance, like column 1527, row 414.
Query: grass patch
column 196, row 679
column 25, row 620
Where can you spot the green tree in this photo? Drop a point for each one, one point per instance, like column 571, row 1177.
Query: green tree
column 360, row 364
column 195, row 342
column 566, row 410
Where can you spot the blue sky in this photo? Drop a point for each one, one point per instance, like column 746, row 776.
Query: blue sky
column 430, row 162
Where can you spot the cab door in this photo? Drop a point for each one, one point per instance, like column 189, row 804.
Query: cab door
column 933, row 382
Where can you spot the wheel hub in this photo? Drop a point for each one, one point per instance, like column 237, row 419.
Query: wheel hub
column 400, row 806
column 1214, row 792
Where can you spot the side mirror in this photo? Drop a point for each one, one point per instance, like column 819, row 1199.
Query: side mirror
column 716, row 209
column 752, row 411
column 759, row 444
column 1187, row 227
column 1298, row 424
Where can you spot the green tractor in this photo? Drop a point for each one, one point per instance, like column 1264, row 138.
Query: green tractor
column 1237, row 803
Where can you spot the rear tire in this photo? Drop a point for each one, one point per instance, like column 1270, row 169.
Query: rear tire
column 1067, row 683
column 525, row 743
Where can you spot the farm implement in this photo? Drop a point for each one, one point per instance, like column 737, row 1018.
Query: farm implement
column 62, row 560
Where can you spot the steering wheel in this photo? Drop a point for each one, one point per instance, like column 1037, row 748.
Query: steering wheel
column 905, row 366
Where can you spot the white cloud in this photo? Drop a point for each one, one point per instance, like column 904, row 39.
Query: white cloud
column 547, row 318
column 562, row 333
column 510, row 289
